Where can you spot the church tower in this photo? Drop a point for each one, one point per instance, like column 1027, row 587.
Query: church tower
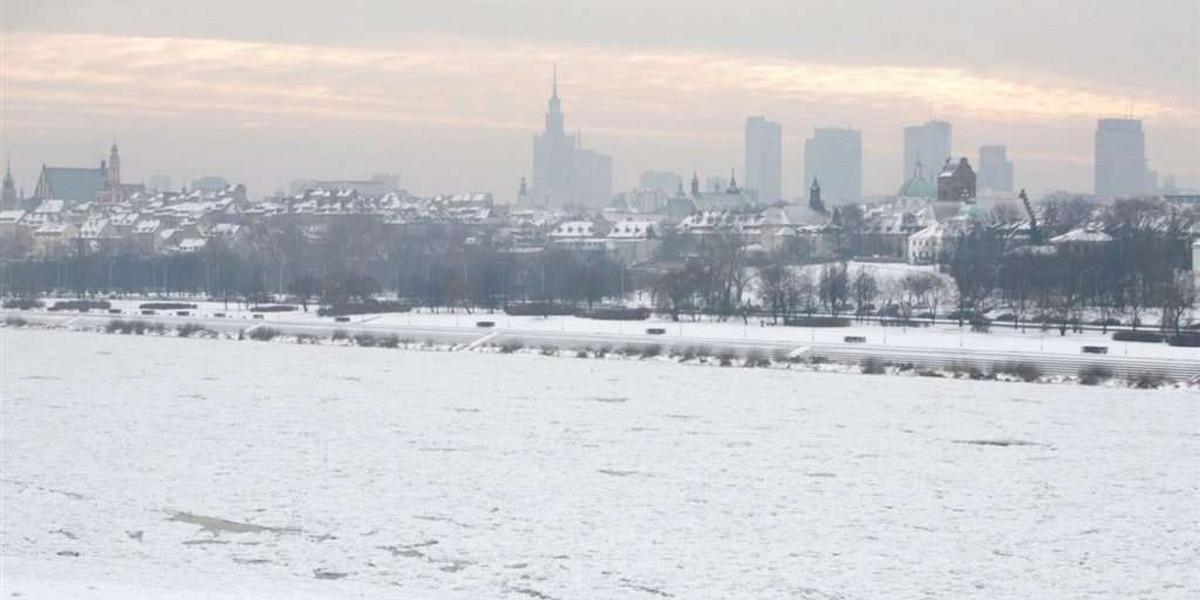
column 814, row 197
column 112, row 175
column 8, row 197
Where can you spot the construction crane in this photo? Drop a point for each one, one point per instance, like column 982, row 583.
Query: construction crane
column 1035, row 234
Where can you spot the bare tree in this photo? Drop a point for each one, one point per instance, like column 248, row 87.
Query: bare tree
column 1016, row 279
column 777, row 285
column 864, row 288
column 834, row 287
column 971, row 259
column 674, row 291
column 807, row 296
column 1179, row 295
column 305, row 289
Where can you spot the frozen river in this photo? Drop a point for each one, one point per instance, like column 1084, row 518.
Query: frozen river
column 187, row 468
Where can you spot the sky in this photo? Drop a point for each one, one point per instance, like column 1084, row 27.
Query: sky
column 448, row 94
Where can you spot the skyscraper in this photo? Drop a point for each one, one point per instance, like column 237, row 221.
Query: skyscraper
column 928, row 143
column 1120, row 159
column 764, row 158
column 833, row 156
column 995, row 170
column 563, row 172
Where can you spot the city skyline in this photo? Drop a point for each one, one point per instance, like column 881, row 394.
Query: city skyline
column 451, row 109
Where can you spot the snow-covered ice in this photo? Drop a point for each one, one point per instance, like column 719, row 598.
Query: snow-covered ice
column 187, row 468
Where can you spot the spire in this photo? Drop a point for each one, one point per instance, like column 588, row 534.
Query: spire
column 554, row 116
column 8, row 197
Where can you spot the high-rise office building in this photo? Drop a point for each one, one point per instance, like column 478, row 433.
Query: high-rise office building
column 563, row 172
column 764, row 158
column 928, row 143
column 833, row 156
column 995, row 170
column 1120, row 164
column 660, row 180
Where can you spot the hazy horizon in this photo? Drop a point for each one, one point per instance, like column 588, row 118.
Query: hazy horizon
column 449, row 95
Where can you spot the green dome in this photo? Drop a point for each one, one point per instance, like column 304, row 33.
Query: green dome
column 917, row 187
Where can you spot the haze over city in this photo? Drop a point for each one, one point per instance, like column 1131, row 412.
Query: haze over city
column 617, row 299
column 446, row 95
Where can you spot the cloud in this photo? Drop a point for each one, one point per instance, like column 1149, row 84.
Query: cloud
column 476, row 83
column 459, row 110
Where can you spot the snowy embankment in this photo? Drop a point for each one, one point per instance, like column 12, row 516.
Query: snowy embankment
column 191, row 468
column 931, row 353
column 1002, row 337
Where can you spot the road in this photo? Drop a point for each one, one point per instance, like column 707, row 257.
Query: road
column 1047, row 363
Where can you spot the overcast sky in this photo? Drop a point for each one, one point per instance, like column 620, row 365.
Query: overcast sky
column 447, row 94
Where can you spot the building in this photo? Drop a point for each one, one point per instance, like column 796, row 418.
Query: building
column 1120, row 162
column 1196, row 261
column 53, row 239
column 159, row 183
column 926, row 246
column 8, row 197
column 928, row 143
column 75, row 184
column 995, row 170
column 213, row 183
column 1151, row 187
column 644, row 200
column 632, row 242
column 373, row 188
column 660, row 180
column 564, row 174
column 833, row 156
column 956, row 182
column 764, row 158
column 918, row 186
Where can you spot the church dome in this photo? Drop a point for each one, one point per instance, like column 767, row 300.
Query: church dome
column 917, row 187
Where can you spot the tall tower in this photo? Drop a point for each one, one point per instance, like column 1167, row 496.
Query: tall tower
column 554, row 116
column 112, row 175
column 563, row 172
column 8, row 197
column 814, row 197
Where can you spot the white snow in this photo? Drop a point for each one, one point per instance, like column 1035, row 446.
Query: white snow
column 467, row 475
column 1003, row 337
